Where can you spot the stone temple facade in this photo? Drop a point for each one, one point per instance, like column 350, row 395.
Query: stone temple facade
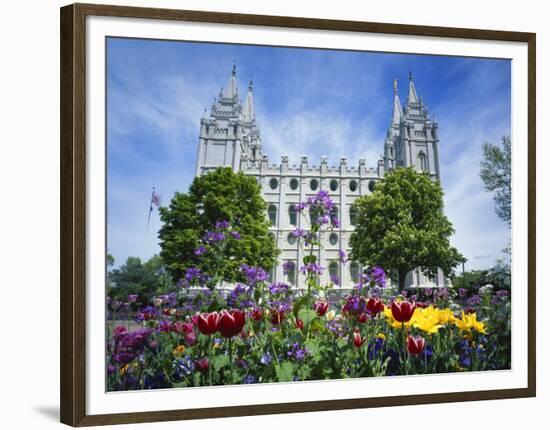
column 230, row 136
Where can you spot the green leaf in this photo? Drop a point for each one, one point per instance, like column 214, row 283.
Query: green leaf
column 285, row 371
column 307, row 315
column 219, row 362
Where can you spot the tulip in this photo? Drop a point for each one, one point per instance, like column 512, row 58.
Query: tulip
column 402, row 311
column 257, row 314
column 321, row 307
column 358, row 341
column 299, row 324
column 182, row 327
column 230, row 323
column 202, row 364
column 415, row 344
column 277, row 316
column 362, row 318
column 375, row 306
column 208, row 323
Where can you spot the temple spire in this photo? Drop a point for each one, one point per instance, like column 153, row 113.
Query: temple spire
column 231, row 90
column 413, row 98
column 249, row 113
column 397, row 112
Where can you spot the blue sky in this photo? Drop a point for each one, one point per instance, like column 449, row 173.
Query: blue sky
column 308, row 101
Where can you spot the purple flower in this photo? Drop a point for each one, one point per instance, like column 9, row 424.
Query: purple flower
column 299, row 232
column 240, row 297
column 355, row 305
column 278, row 288
column 253, row 274
column 335, row 222
column 266, row 359
column 342, row 256
column 193, row 275
column 288, row 266
column 213, row 236
column 474, row 300
column 297, row 352
column 130, row 344
column 200, row 250
column 335, row 279
column 132, row 298
column 502, row 293
column 462, row 292
column 313, row 268
column 220, row 225
column 235, row 234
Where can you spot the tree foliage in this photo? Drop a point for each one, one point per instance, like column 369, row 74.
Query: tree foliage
column 401, row 226
column 136, row 277
column 220, row 195
column 496, row 174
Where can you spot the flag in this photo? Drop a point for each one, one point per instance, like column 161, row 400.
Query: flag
column 155, row 200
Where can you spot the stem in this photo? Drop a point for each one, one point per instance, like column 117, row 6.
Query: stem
column 230, row 361
column 210, row 350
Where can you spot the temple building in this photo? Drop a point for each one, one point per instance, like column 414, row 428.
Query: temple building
column 230, row 136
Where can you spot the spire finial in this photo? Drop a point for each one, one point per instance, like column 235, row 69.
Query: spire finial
column 395, row 86
column 250, row 84
column 410, row 75
column 234, row 72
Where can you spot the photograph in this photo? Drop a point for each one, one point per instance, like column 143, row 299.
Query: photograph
column 288, row 214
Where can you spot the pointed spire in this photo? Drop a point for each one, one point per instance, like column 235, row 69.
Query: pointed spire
column 413, row 98
column 397, row 112
column 231, row 90
column 249, row 113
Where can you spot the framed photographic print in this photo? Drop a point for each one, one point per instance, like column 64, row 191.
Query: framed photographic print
column 265, row 214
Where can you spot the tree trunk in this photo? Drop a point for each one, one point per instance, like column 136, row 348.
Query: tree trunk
column 402, row 274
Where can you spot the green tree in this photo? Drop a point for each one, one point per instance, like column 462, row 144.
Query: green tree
column 220, row 195
column 496, row 174
column 401, row 226
column 135, row 277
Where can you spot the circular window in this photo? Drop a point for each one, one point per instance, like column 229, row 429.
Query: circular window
column 353, row 185
column 314, row 184
column 291, row 239
column 273, row 183
column 372, row 186
column 333, row 239
column 333, row 185
column 294, row 184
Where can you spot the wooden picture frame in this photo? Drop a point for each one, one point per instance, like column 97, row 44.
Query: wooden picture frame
column 73, row 212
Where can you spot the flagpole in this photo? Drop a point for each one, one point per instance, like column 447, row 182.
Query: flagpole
column 147, row 224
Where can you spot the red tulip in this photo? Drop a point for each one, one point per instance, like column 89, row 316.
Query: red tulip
column 257, row 314
column 416, row 344
column 362, row 318
column 402, row 311
column 202, row 364
column 358, row 341
column 230, row 323
column 182, row 327
column 208, row 323
column 299, row 324
column 321, row 307
column 277, row 316
column 375, row 306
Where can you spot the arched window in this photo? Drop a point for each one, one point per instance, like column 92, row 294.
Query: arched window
column 422, row 164
column 294, row 184
column 353, row 186
column 273, row 183
column 334, row 272
column 352, row 215
column 334, row 213
column 291, row 239
column 372, row 185
column 314, row 184
column 292, row 215
column 290, row 270
column 333, row 238
column 272, row 214
column 333, row 185
column 354, row 272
